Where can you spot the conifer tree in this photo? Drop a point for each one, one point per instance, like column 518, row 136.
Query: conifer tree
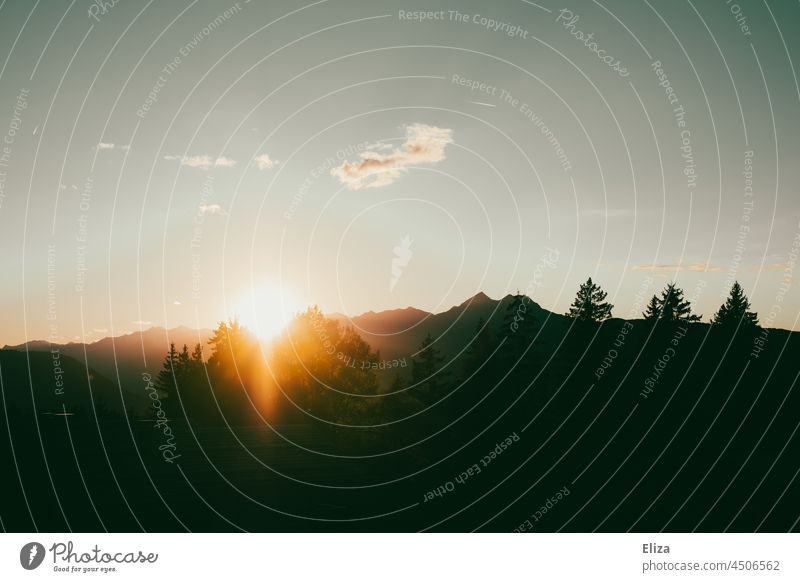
column 736, row 309
column 671, row 306
column 653, row 312
column 674, row 307
column 590, row 304
column 425, row 371
column 166, row 377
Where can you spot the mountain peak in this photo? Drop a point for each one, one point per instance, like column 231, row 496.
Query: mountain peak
column 479, row 297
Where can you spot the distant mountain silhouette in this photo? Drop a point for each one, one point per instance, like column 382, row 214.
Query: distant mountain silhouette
column 645, row 426
column 398, row 333
column 124, row 358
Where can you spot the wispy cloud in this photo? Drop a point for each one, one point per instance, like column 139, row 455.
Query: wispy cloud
column 203, row 162
column 142, row 323
column 104, row 145
column 676, row 268
column 769, row 267
column 211, row 209
column 264, row 162
column 424, row 145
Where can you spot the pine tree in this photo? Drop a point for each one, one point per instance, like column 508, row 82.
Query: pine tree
column 230, row 344
column 197, row 354
column 675, row 307
column 653, row 312
column 590, row 304
column 671, row 306
column 184, row 369
column 425, row 372
column 197, row 359
column 736, row 309
column 165, row 380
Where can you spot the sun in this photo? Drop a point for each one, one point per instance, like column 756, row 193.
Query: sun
column 265, row 309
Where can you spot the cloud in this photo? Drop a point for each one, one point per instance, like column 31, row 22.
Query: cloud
column 141, row 323
column 770, row 267
column 680, row 267
column 424, row 145
column 211, row 209
column 104, row 145
column 264, row 162
column 176, row 302
column 204, row 162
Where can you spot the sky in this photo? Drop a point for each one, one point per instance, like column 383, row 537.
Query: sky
column 176, row 163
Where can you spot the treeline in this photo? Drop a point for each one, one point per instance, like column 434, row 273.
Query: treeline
column 671, row 305
column 314, row 372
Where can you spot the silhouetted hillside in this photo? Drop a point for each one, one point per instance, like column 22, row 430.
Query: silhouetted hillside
column 123, row 359
column 541, row 423
column 398, row 333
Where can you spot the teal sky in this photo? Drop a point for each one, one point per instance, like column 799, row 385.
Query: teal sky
column 120, row 211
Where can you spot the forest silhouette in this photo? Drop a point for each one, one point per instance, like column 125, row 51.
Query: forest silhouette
column 662, row 422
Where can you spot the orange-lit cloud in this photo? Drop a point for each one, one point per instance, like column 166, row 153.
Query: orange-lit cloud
column 693, row 267
column 770, row 267
column 424, row 145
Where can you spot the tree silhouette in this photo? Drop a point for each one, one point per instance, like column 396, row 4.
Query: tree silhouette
column 184, row 370
column 326, row 369
column 230, row 344
column 590, row 304
column 425, row 373
column 653, row 312
column 167, row 377
column 736, row 309
column 671, row 306
column 167, row 382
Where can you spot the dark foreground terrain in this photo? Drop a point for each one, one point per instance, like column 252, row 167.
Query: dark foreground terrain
column 538, row 441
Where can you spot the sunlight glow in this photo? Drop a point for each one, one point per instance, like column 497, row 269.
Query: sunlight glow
column 265, row 309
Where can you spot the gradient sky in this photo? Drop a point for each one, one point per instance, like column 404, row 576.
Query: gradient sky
column 115, row 218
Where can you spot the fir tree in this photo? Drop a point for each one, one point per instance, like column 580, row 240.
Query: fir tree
column 166, row 379
column 197, row 354
column 671, row 306
column 167, row 384
column 653, row 312
column 184, row 369
column 590, row 304
column 736, row 309
column 425, row 371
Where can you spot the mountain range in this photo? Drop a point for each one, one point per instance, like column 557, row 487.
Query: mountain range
column 123, row 359
column 398, row 333
column 394, row 334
